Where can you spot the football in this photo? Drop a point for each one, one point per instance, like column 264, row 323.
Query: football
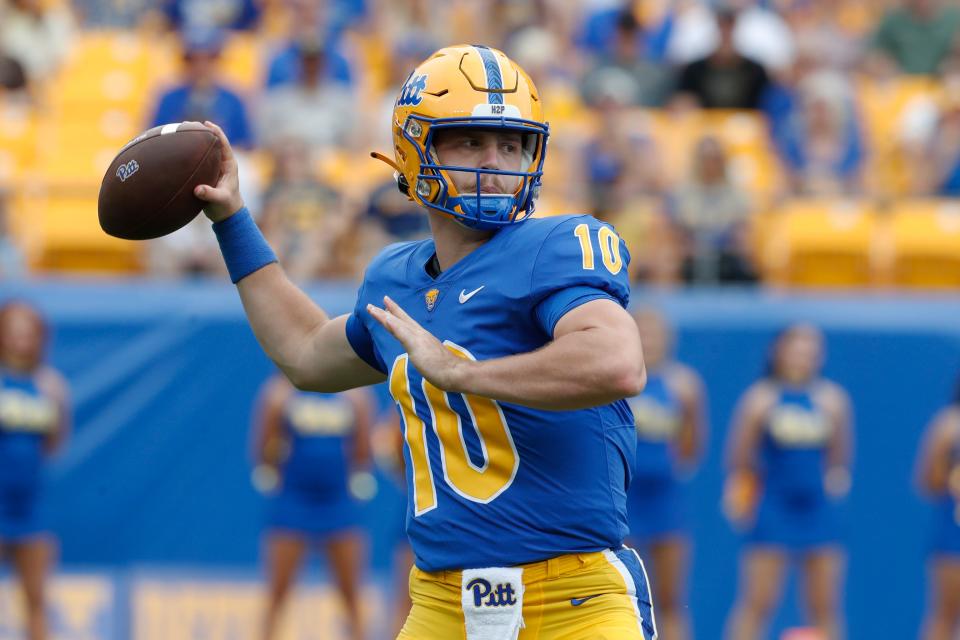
column 147, row 191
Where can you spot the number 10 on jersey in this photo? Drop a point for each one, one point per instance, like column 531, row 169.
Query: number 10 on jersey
column 477, row 483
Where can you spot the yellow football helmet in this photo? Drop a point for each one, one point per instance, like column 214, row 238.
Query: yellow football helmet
column 480, row 88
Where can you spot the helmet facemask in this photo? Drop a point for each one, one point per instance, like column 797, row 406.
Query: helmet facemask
column 474, row 208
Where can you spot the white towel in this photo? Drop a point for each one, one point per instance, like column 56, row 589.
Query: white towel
column 492, row 601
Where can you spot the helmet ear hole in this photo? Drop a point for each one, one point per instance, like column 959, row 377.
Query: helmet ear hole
column 403, row 185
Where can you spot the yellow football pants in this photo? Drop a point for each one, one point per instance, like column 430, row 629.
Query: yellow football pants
column 587, row 596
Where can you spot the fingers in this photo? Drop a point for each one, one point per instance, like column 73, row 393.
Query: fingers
column 395, row 309
column 210, row 194
column 383, row 317
column 226, row 151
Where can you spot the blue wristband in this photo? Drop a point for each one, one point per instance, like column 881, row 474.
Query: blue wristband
column 244, row 248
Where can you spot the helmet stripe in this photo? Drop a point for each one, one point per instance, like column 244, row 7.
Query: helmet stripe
column 491, row 66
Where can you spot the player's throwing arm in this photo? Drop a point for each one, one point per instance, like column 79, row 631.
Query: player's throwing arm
column 309, row 347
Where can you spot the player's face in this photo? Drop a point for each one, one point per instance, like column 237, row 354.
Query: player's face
column 21, row 337
column 800, row 354
column 653, row 337
column 481, row 149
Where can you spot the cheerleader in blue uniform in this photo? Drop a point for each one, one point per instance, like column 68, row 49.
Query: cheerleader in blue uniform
column 311, row 448
column 790, row 453
column 387, row 443
column 939, row 476
column 670, row 432
column 33, row 421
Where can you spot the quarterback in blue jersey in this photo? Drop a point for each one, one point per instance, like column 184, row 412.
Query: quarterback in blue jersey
column 507, row 348
column 939, row 476
column 34, row 414
column 790, row 453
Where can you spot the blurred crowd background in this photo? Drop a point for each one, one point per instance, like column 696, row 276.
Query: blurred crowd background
column 782, row 142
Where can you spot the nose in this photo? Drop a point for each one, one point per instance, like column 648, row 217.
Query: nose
column 489, row 157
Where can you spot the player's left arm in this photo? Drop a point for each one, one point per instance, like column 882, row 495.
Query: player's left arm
column 593, row 359
column 362, row 403
column 840, row 447
column 693, row 427
column 54, row 386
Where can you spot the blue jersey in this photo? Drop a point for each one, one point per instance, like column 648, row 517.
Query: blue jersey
column 659, row 416
column 796, row 437
column 27, row 416
column 493, row 483
column 319, row 427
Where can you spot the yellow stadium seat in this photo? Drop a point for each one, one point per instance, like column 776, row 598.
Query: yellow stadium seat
column 113, row 68
column 817, row 243
column 61, row 232
column 883, row 105
column 242, row 63
column 924, row 244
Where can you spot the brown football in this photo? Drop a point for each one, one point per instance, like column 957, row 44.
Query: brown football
column 148, row 190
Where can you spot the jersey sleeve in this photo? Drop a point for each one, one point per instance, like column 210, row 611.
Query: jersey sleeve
column 580, row 260
column 359, row 336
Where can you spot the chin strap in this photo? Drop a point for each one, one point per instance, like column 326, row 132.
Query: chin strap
column 397, row 174
column 379, row 156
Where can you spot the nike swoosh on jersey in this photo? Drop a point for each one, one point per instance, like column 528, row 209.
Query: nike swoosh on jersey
column 579, row 601
column 464, row 296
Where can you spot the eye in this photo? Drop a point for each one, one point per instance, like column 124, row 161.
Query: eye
column 510, row 147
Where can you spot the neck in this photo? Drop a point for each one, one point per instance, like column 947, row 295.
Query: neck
column 453, row 241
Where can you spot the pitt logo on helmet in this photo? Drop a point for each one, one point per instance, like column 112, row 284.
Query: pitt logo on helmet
column 410, row 93
column 478, row 88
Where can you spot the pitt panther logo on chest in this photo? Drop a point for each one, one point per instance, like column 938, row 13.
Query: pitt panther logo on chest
column 487, row 595
column 431, row 298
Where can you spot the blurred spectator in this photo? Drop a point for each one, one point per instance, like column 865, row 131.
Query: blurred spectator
column 35, row 36
column 188, row 15
column 759, row 33
column 710, row 214
column 116, row 14
column 643, row 83
column 391, row 217
column 821, row 37
column 188, row 252
column 200, row 96
column 914, row 38
column 305, row 220
column 929, row 135
column 725, row 79
column 619, row 161
column 314, row 110
column 11, row 257
column 943, row 152
column 12, row 76
column 819, row 138
column 313, row 25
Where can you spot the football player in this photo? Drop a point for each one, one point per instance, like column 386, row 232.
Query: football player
column 506, row 345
